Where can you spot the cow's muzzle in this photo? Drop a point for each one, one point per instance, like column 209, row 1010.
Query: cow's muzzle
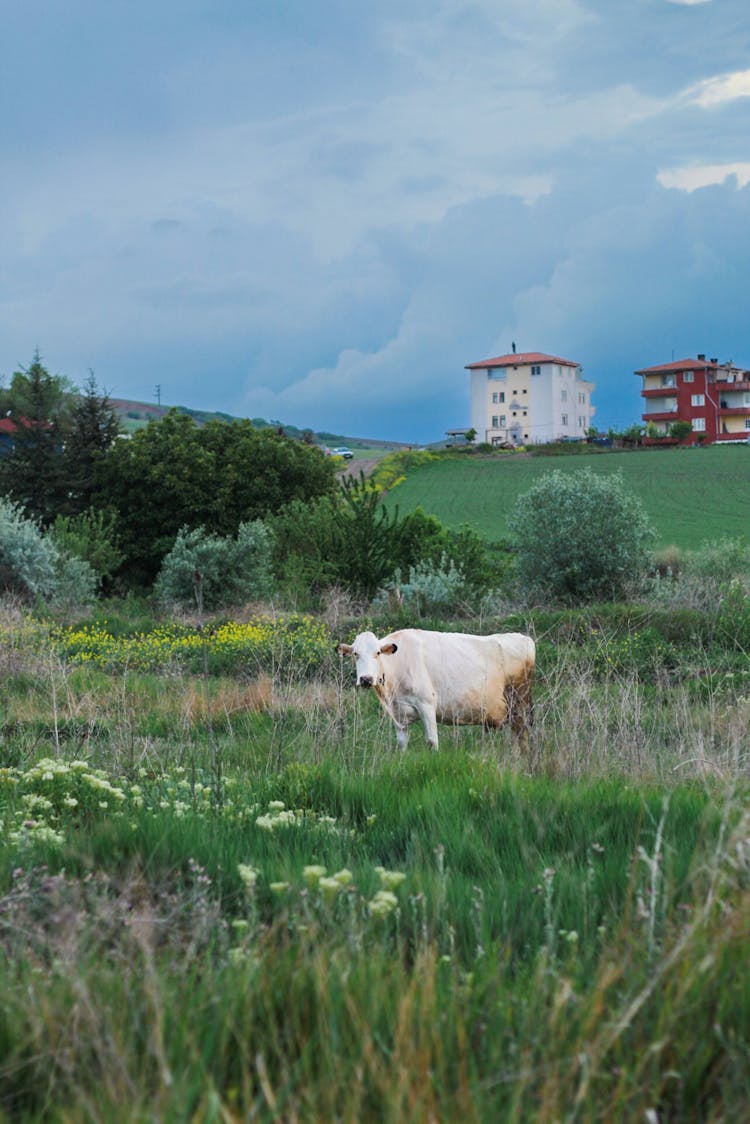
column 366, row 681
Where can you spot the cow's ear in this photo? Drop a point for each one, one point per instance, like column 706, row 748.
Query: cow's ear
column 388, row 649
column 344, row 649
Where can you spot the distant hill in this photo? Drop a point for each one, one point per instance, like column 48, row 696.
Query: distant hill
column 136, row 415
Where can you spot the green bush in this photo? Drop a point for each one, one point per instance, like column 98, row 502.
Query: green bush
column 580, row 536
column 31, row 565
column 91, row 536
column 211, row 572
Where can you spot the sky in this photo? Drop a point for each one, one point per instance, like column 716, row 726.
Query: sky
column 319, row 213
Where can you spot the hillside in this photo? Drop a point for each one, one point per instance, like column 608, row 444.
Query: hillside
column 136, row 415
column 691, row 495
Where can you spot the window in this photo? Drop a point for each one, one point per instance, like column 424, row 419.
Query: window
column 498, row 396
column 564, row 419
column 524, row 391
column 697, row 400
column 496, row 373
column 699, row 425
column 747, row 423
column 502, row 421
column 668, row 380
column 495, row 422
column 563, row 396
column 688, row 376
column 536, row 369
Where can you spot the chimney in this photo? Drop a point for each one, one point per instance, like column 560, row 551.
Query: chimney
column 701, row 356
column 714, row 360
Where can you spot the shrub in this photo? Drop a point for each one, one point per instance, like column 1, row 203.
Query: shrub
column 33, row 566
column 433, row 587
column 91, row 536
column 210, row 572
column 27, row 559
column 580, row 536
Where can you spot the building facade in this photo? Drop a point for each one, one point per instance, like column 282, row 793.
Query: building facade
column 529, row 398
column 713, row 397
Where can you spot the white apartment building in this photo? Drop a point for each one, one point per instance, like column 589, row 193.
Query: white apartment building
column 529, row 398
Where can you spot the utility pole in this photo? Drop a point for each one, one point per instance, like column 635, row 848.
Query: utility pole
column 158, row 394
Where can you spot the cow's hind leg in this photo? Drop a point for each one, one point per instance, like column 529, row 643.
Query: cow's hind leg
column 521, row 713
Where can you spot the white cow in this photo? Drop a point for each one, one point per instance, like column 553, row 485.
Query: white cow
column 448, row 677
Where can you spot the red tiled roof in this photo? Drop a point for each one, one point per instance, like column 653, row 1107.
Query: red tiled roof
column 676, row 365
column 521, row 359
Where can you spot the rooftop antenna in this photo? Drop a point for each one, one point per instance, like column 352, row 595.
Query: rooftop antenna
column 513, row 345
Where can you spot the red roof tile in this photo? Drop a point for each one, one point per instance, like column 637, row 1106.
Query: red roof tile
column 675, row 365
column 521, row 359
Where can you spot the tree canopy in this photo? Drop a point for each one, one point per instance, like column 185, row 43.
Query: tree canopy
column 175, row 474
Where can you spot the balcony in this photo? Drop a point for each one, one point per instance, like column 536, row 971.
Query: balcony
column 660, row 392
column 724, row 387
column 660, row 415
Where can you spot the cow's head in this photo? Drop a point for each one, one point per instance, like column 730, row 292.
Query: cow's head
column 367, row 650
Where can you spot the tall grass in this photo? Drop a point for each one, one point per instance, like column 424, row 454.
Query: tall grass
column 326, row 928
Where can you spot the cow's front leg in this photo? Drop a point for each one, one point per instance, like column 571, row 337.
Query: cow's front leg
column 402, row 735
column 429, row 721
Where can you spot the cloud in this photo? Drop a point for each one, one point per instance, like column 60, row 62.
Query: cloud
column 323, row 212
column 721, row 88
column 694, row 176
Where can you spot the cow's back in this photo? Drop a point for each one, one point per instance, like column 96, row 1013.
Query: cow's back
column 464, row 674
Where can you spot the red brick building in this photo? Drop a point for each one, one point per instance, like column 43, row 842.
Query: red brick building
column 713, row 397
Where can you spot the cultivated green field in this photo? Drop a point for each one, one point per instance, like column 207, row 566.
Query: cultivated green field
column 691, row 495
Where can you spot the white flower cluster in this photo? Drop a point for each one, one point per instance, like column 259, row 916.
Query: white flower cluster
column 279, row 816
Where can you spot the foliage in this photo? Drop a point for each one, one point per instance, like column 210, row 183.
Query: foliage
column 433, row 587
column 176, row 474
column 356, row 543
column 680, row 430
column 92, row 536
column 32, row 565
column 262, row 644
column 211, row 572
column 27, row 558
column 38, row 404
column 580, row 536
column 352, row 540
column 393, row 468
column 92, row 430
column 715, row 581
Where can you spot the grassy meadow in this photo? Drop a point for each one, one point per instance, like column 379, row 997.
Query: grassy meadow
column 225, row 895
column 691, row 495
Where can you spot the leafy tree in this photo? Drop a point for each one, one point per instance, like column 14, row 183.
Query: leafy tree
column 175, row 474
column 39, row 406
column 580, row 536
column 680, row 430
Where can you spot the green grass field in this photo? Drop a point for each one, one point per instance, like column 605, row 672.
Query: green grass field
column 690, row 495
column 225, row 896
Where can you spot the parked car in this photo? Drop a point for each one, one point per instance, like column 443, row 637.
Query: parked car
column 342, row 451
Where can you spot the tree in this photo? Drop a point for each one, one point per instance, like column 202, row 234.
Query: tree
column 38, row 404
column 580, row 536
column 175, row 474
column 92, row 430
column 680, row 430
